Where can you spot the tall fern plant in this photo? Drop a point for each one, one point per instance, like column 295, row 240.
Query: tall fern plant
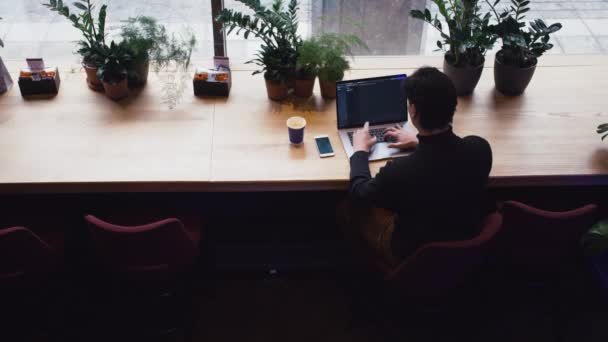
column 334, row 53
column 93, row 32
column 277, row 27
column 149, row 41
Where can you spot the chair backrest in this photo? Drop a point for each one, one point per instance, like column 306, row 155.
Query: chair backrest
column 539, row 241
column 23, row 256
column 438, row 267
column 161, row 247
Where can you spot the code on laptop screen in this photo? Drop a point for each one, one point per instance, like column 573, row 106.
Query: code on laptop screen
column 377, row 100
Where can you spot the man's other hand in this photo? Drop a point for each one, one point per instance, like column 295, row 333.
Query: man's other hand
column 403, row 138
column 362, row 140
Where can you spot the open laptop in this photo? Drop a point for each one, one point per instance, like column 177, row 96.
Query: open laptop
column 378, row 100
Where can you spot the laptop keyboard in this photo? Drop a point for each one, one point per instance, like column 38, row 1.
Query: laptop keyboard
column 374, row 132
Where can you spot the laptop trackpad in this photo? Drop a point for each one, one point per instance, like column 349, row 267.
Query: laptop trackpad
column 382, row 151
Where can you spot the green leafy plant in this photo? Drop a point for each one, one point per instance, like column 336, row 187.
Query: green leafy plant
column 309, row 59
column 93, row 33
column 276, row 27
column 116, row 59
column 148, row 41
column 333, row 52
column 521, row 47
column 468, row 36
column 142, row 36
column 603, row 129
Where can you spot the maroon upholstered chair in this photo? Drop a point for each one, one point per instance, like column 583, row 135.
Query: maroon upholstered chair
column 24, row 257
column 538, row 241
column 155, row 251
column 437, row 268
column 535, row 257
column 142, row 277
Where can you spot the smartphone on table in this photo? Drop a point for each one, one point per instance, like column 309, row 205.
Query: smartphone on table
column 324, row 146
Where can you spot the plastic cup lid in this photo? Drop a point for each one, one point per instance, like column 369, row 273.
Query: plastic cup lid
column 296, row 122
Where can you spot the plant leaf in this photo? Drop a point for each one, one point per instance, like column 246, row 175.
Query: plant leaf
column 80, row 6
column 102, row 23
column 417, row 14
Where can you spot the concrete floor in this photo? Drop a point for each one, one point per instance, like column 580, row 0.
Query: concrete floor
column 30, row 30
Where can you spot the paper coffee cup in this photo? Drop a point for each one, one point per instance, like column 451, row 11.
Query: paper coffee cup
column 295, row 126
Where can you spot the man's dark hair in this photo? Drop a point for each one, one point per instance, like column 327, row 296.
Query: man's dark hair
column 434, row 96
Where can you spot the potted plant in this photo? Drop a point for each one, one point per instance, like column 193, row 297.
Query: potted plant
column 141, row 36
column 149, row 43
column 93, row 33
column 516, row 61
column 307, row 67
column 277, row 28
column 467, row 39
column 333, row 51
column 113, row 71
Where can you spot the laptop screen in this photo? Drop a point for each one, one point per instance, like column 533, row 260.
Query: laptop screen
column 378, row 100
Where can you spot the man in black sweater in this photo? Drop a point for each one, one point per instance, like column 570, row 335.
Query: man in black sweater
column 438, row 192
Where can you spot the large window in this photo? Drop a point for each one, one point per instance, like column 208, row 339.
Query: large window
column 384, row 25
column 585, row 25
column 387, row 28
column 29, row 29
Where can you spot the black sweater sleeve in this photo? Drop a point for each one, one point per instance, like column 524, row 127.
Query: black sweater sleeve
column 364, row 188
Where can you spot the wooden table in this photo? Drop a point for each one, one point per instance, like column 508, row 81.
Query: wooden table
column 81, row 141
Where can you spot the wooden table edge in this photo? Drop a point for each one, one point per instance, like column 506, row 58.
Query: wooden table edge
column 269, row 186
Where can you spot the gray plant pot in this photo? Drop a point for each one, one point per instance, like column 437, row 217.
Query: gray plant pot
column 465, row 79
column 512, row 80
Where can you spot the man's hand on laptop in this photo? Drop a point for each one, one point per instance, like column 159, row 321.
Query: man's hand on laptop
column 404, row 139
column 362, row 140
